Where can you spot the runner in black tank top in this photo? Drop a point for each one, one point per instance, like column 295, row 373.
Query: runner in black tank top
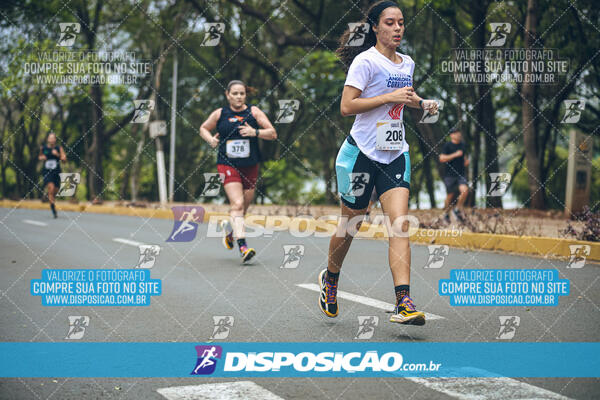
column 239, row 127
column 248, row 153
column 51, row 154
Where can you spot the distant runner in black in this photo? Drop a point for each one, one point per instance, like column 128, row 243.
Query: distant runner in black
column 456, row 160
column 52, row 155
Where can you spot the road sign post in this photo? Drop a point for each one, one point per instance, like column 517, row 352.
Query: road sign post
column 158, row 129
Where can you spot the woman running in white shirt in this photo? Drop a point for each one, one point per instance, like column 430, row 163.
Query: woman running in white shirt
column 378, row 87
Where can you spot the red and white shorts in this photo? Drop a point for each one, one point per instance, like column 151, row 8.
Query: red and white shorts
column 245, row 175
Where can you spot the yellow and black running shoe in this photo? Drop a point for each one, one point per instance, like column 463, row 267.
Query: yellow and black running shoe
column 227, row 234
column 247, row 253
column 406, row 313
column 328, row 296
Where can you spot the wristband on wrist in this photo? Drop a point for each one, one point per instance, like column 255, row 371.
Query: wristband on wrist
column 257, row 133
column 421, row 103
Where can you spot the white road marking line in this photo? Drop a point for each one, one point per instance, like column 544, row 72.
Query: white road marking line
column 487, row 389
column 362, row 299
column 33, row 222
column 241, row 390
column 129, row 242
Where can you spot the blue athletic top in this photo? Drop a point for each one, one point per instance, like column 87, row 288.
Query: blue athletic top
column 240, row 151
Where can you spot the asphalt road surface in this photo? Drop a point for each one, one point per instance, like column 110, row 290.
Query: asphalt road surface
column 201, row 279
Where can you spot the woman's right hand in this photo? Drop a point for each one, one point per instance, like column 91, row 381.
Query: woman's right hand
column 214, row 141
column 403, row 95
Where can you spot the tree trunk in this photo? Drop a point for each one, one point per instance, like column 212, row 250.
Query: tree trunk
column 533, row 150
column 94, row 152
column 426, row 166
column 485, row 108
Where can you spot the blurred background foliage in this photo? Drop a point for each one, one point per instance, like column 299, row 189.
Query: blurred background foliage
column 285, row 49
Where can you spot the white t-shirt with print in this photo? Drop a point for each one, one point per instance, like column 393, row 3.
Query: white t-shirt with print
column 375, row 74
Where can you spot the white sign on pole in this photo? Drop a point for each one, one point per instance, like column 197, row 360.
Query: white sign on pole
column 158, row 128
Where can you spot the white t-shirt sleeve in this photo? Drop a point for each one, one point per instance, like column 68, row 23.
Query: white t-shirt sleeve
column 359, row 74
column 412, row 68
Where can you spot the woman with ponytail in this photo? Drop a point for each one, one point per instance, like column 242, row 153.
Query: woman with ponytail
column 375, row 154
column 239, row 126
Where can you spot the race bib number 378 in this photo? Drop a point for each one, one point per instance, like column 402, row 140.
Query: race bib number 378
column 390, row 135
column 238, row 148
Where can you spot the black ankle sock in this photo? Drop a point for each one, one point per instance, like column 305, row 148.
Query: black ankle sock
column 332, row 277
column 241, row 242
column 401, row 291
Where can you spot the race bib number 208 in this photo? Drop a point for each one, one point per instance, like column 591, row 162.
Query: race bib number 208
column 390, row 135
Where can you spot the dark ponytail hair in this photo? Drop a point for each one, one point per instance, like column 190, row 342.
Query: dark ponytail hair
column 346, row 53
column 250, row 91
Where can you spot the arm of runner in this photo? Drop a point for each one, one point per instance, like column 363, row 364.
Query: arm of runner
column 268, row 131
column 418, row 102
column 467, row 161
column 352, row 104
column 41, row 156
column 63, row 155
column 447, row 156
column 209, row 125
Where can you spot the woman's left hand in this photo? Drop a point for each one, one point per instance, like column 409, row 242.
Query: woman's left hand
column 55, row 152
column 431, row 106
column 247, row 130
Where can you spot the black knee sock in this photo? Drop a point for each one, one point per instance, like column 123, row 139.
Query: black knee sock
column 332, row 277
column 401, row 291
column 242, row 242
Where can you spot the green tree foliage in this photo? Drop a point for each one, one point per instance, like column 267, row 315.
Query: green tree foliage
column 284, row 49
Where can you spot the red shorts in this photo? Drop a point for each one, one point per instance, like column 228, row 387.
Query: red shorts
column 245, row 175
